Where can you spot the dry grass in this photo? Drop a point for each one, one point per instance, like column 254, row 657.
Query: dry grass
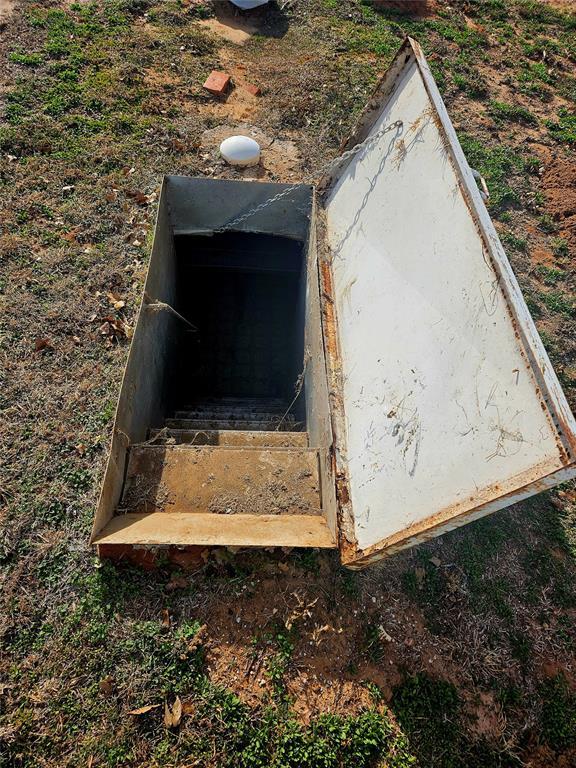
column 462, row 644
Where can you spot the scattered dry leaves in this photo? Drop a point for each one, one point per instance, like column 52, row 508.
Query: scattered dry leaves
column 173, row 714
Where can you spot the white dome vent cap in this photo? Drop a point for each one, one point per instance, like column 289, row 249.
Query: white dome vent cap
column 240, row 150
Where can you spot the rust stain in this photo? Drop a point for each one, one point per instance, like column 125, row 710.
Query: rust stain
column 342, row 489
column 330, row 337
column 330, row 333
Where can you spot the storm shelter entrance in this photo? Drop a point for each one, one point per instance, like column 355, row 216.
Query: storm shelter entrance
column 244, row 294
column 223, row 427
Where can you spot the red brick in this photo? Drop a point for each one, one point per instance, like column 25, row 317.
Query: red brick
column 253, row 89
column 217, row 83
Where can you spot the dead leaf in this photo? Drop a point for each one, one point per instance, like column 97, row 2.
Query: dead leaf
column 143, row 710
column 177, row 582
column 420, row 574
column 383, row 635
column 302, row 611
column 114, row 328
column 436, row 561
column 106, row 686
column 177, row 711
column 188, row 707
column 139, row 197
column 113, row 297
column 72, row 235
column 173, row 715
column 177, row 145
column 41, row 344
column 318, row 631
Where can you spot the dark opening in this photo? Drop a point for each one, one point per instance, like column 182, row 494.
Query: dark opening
column 245, row 293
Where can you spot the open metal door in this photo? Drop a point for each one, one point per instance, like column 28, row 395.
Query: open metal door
column 445, row 405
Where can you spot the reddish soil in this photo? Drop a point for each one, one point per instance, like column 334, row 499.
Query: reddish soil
column 559, row 188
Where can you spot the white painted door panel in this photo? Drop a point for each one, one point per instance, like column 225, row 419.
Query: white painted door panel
column 441, row 371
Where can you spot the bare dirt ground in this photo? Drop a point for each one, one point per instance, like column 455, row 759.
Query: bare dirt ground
column 461, row 652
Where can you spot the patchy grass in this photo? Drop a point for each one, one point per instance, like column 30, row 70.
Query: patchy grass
column 430, row 711
column 512, row 113
column 98, row 102
column 559, row 302
column 559, row 714
column 506, row 172
column 564, row 128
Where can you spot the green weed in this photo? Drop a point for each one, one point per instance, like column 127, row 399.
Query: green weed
column 547, row 224
column 512, row 113
column 551, row 275
column 558, row 720
column 514, row 242
column 559, row 303
column 560, row 247
column 564, row 129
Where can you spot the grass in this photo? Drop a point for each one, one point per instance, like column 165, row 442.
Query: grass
column 516, row 243
column 505, row 171
column 558, row 302
column 559, row 714
column 564, row 128
column 560, row 247
column 102, row 104
column 513, row 113
column 430, row 711
column 551, row 275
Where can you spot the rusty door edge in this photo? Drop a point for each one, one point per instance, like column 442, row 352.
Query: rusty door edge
column 345, row 518
column 447, row 520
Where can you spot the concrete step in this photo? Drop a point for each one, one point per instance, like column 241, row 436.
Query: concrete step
column 277, row 439
column 236, row 424
column 267, row 402
column 222, row 480
column 222, row 414
column 234, row 408
column 167, row 529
